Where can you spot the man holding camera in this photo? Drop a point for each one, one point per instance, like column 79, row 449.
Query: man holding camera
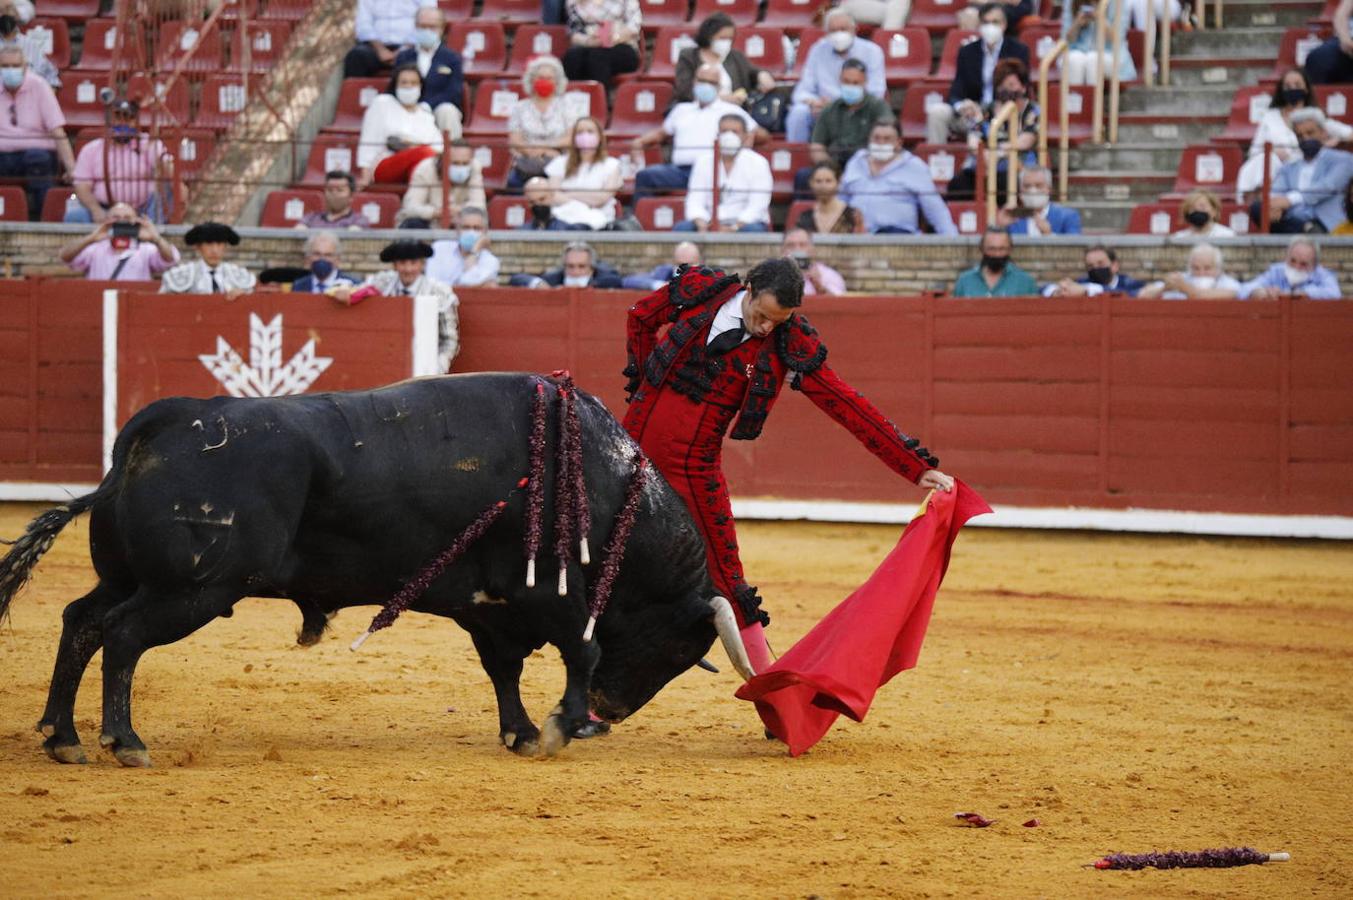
column 124, row 247
column 817, row 277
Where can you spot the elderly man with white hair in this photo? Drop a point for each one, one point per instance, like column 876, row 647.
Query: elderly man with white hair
column 323, row 253
column 820, row 81
column 1300, row 274
column 1308, row 193
column 1204, row 280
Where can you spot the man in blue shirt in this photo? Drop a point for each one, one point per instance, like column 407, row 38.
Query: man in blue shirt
column 820, row 78
column 995, row 275
column 1040, row 215
column 383, row 27
column 890, row 186
column 1300, row 274
column 1308, row 193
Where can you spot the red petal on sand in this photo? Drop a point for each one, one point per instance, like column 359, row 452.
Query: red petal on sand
column 977, row 820
column 1032, row 823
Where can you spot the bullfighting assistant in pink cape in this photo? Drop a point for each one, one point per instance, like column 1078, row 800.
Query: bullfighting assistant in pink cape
column 869, row 637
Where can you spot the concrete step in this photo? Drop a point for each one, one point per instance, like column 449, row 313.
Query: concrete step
column 1228, row 43
column 1211, row 72
column 1104, row 216
column 1127, row 157
column 1265, row 13
column 1110, row 184
column 1142, row 128
column 1193, row 100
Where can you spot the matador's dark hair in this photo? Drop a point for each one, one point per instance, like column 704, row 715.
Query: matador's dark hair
column 779, row 276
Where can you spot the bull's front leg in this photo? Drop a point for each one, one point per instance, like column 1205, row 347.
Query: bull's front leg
column 580, row 658
column 515, row 728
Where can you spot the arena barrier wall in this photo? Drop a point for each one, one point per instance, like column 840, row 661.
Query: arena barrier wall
column 1241, row 408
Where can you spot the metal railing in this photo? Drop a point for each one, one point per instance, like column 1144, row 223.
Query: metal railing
column 1009, row 116
column 1166, row 29
column 1064, row 138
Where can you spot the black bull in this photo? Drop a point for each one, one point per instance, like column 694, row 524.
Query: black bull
column 336, row 500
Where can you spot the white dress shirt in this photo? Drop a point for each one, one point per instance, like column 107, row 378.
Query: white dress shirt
column 728, row 316
column 744, row 189
column 693, row 128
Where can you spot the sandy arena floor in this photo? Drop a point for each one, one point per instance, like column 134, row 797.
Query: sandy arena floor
column 1130, row 693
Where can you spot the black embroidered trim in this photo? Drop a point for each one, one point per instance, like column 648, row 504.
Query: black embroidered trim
column 718, row 282
column 632, row 379
column 695, row 377
column 795, row 350
column 761, row 392
column 745, row 597
column 678, row 336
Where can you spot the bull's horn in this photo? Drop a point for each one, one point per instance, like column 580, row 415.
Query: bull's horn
column 726, row 624
column 708, row 666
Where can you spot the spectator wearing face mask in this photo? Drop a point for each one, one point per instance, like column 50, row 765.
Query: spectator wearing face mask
column 1300, row 275
column 467, row 261
column 124, row 247
column 126, row 168
column 820, row 81
column 843, row 126
column 745, row 184
column 383, row 28
column 1291, row 93
column 580, row 269
column 1308, row 193
column 585, row 179
column 1205, row 279
column 32, row 130
column 398, row 131
column 714, row 47
column 995, row 275
column 422, row 204
column 974, row 84
column 1101, row 277
column 322, row 257
column 891, row 188
column 539, row 198
column 890, row 14
column 1037, row 215
column 12, row 17
column 441, row 67
column 1201, row 212
column 539, row 124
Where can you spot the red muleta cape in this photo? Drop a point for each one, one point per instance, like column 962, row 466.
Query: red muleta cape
column 869, row 637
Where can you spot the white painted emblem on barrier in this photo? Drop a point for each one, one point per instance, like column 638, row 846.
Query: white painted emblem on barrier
column 188, row 40
column 187, row 149
column 366, row 95
column 756, row 47
column 43, row 36
column 516, row 216
column 941, row 166
column 933, row 99
column 263, row 41
column 371, row 212
column 899, row 47
column 1160, row 223
column 264, row 375
column 679, row 44
column 1075, row 103
column 85, row 92
column 501, row 103
column 1336, row 106
column 1259, row 104
column 2, row 206
column 337, row 158
column 231, row 97
column 663, row 217
column 474, row 42
column 1305, row 46
column 483, row 156
column 1208, row 169
column 542, row 43
column 294, row 209
column 1240, row 222
column 110, row 39
column 577, row 104
column 780, row 160
column 645, row 101
column 1045, row 45
column 967, row 222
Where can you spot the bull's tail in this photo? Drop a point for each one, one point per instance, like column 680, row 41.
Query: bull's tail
column 24, row 554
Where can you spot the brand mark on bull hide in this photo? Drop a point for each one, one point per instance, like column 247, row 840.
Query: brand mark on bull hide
column 264, row 375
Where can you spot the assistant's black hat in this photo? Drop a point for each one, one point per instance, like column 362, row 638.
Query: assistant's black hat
column 211, row 233
column 406, row 249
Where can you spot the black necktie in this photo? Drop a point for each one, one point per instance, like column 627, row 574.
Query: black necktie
column 726, row 341
column 215, row 287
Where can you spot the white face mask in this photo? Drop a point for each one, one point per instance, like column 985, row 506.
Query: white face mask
column 882, row 152
column 991, row 33
column 729, row 142
column 721, row 47
column 1034, row 200
column 577, row 280
column 1296, row 277
column 408, row 95
column 1206, row 282
column 841, row 40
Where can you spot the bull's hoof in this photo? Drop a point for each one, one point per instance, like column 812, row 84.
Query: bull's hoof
column 133, row 759
column 45, row 728
column 70, row 754
column 590, row 729
column 309, row 638
column 554, row 736
column 523, row 742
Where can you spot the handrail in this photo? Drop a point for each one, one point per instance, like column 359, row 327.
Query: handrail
column 714, row 194
column 1216, row 14
column 445, row 174
column 1008, row 113
column 1044, row 73
column 1167, row 29
column 1149, row 48
column 1064, row 141
column 1265, row 188
column 1114, row 84
column 1097, row 115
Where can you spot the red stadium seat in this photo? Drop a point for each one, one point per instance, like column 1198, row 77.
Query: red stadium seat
column 807, row 38
column 79, row 98
column 54, row 204
column 936, row 16
column 738, row 10
column 177, row 39
column 456, row 10
column 906, row 54
column 967, row 217
column 658, row 14
column 379, row 207
column 796, row 209
column 1208, row 166
column 522, row 12
column 495, row 159
column 13, row 204
column 530, row 41
column 586, row 98
column 223, row 96
column 267, row 44
column 763, row 48
column 1248, row 106
column 286, row 208
column 1080, row 101
column 943, row 160
column 667, row 46
column 71, row 10
column 233, row 10
column 954, row 40
column 1041, row 39
column 99, row 43
column 639, row 107
column 660, row 213
column 652, row 156
column 791, row 16
column 173, row 106
column 785, row 160
column 291, row 10
column 482, row 46
column 920, row 95
column 191, row 148
column 1297, row 42
column 354, row 97
column 493, row 103
column 1163, row 218
column 508, row 211
column 54, row 37
column 328, row 153
column 1336, row 100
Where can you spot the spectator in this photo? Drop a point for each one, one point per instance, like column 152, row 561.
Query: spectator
column 1101, row 277
column 693, row 128
column 818, row 278
column 820, row 81
column 383, row 28
column 830, row 214
column 338, row 211
column 585, row 179
column 1345, row 227
column 581, row 268
column 398, row 131
column 322, row 257
column 1011, row 78
column 1082, row 61
column 891, row 187
column 538, row 128
column 1308, row 193
column 1204, row 280
column 209, row 273
column 1291, row 93
column 441, row 68
column 540, row 203
column 1332, row 61
column 1201, row 212
column 738, row 78
column 11, row 18
column 110, row 253
column 467, row 261
column 1036, row 215
column 32, row 130
column 127, row 170
column 422, row 204
column 745, row 183
column 974, row 84
column 890, row 14
column 995, row 275
column 1300, row 275
column 843, row 126
column 603, row 39
column 405, row 278
column 683, row 254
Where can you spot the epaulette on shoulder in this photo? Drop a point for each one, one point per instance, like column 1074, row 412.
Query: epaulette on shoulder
column 800, row 346
column 692, row 286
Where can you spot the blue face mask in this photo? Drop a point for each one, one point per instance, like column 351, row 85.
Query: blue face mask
column 706, row 93
column 467, row 241
column 426, row 38
column 12, row 76
column 123, row 133
column 321, row 269
column 852, row 94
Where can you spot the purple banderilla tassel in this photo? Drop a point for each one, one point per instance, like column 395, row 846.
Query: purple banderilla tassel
column 1223, row 858
column 564, row 516
column 416, row 586
column 615, row 547
column 535, row 496
column 583, row 516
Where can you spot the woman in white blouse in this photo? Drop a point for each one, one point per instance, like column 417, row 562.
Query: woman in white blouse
column 398, row 132
column 585, row 180
column 1292, row 92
